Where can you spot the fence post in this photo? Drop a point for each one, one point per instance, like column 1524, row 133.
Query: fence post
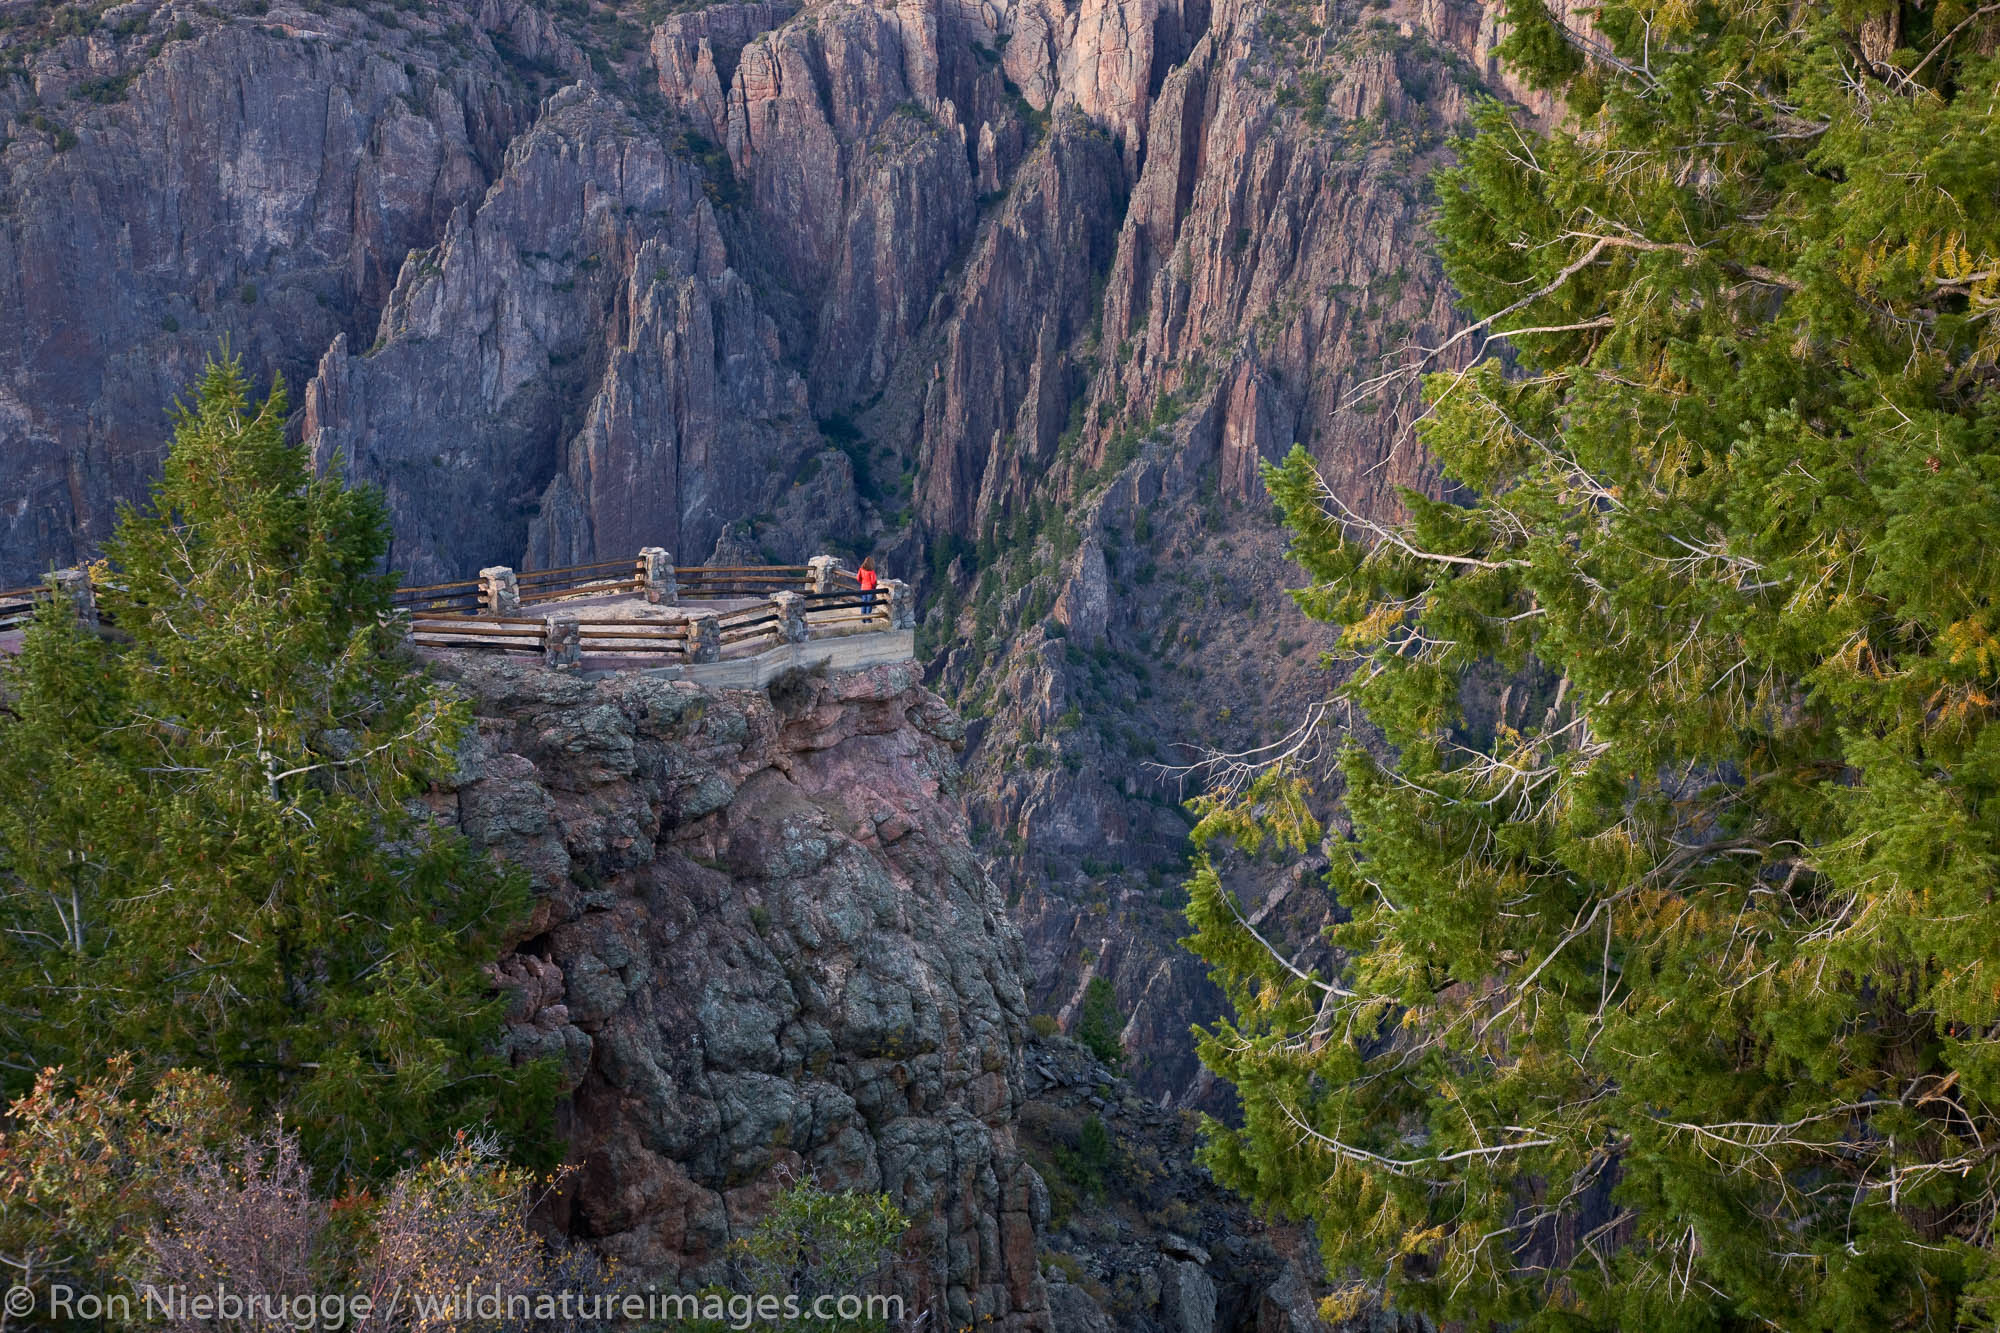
column 791, row 609
column 74, row 584
column 499, row 591
column 902, row 605
column 704, row 638
column 823, row 567
column 656, row 569
column 562, row 643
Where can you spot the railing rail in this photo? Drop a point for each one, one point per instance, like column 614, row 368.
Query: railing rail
column 503, row 634
column 550, row 578
column 592, row 568
column 17, row 605
column 434, row 597
column 556, row 594
column 632, row 638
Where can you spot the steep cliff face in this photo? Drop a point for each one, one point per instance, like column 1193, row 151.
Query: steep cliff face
column 1016, row 293
column 1117, row 618
column 764, row 948
column 169, row 178
column 573, row 368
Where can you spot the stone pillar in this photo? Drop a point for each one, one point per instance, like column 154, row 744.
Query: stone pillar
column 791, row 609
column 562, row 643
column 73, row 586
column 499, row 591
column 656, row 573
column 902, row 604
column 823, row 569
column 704, row 638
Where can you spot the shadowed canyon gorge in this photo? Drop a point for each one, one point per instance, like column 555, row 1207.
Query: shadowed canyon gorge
column 1015, row 295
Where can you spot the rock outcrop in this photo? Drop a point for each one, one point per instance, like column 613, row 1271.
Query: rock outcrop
column 574, row 368
column 1141, row 1239
column 764, row 949
column 1017, row 294
column 170, row 179
column 1123, row 619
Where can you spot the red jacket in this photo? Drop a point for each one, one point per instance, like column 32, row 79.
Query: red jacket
column 866, row 578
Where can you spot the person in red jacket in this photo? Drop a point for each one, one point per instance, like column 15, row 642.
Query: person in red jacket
column 867, row 579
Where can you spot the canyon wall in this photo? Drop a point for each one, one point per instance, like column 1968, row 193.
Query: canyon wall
column 1016, row 294
column 170, row 180
column 1113, row 615
column 764, row 951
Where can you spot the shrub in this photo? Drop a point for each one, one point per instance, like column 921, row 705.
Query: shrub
column 106, row 1184
column 817, row 1242
column 83, row 1166
column 1101, row 1024
column 1087, row 1165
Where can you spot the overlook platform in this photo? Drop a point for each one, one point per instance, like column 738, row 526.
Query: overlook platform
column 733, row 627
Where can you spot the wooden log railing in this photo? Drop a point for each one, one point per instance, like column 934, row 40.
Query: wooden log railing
column 740, row 580
column 633, row 638
column 606, row 588
column 438, row 598
column 596, row 569
column 787, row 604
column 753, row 624
column 17, row 605
column 506, row 634
column 607, row 578
column 847, row 609
column 599, row 579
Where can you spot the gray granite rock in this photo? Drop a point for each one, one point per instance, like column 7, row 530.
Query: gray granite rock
column 742, row 974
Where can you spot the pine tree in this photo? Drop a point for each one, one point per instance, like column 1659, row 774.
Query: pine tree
column 1671, row 1001
column 210, row 851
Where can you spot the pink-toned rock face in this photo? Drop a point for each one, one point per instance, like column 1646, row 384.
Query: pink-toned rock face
column 765, row 949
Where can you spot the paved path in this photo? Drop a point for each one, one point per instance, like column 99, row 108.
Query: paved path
column 858, row 644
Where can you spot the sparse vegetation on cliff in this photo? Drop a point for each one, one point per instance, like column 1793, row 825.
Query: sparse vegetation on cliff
column 1099, row 1025
column 818, row 1243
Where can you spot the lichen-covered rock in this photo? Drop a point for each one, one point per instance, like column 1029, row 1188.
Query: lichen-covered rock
column 764, row 943
column 1187, row 1297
